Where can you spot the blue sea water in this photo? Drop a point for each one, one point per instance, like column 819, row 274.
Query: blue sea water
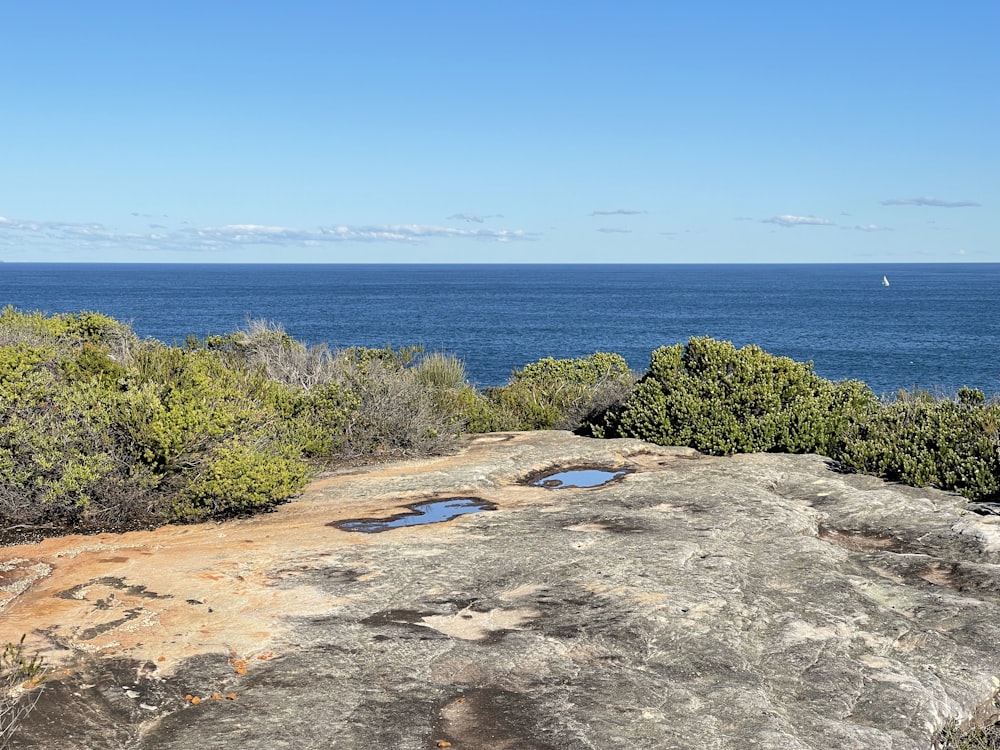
column 937, row 326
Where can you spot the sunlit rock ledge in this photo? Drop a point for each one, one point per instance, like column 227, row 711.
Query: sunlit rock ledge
column 690, row 602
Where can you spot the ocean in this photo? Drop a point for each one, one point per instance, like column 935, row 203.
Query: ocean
column 936, row 326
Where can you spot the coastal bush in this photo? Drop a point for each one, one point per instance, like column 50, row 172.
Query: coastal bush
column 568, row 394
column 72, row 330
column 441, row 372
column 97, row 433
column 721, row 400
column 21, row 676
column 443, row 376
column 213, row 437
column 241, row 478
column 265, row 346
column 51, row 451
column 356, row 402
column 917, row 439
column 393, row 414
column 99, row 430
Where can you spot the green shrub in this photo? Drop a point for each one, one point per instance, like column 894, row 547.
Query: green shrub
column 454, row 400
column 317, row 419
column 952, row 444
column 554, row 394
column 88, row 441
column 191, row 418
column 67, row 330
column 721, row 400
column 440, row 372
column 101, row 431
column 239, row 478
column 91, row 362
column 52, row 443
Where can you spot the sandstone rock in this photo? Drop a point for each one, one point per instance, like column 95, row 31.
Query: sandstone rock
column 755, row 601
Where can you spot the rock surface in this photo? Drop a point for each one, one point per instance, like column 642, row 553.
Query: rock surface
column 755, row 601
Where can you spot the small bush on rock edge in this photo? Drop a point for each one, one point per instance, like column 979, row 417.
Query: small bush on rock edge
column 20, row 678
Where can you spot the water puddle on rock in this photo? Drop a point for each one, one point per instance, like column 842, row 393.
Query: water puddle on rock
column 433, row 511
column 578, row 478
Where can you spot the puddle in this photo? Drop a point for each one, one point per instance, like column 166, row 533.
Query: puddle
column 434, row 511
column 578, row 478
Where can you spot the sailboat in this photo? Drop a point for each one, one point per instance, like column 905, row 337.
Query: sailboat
column 885, row 281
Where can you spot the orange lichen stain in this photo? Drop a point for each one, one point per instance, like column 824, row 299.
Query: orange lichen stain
column 195, row 701
column 216, row 697
column 162, row 658
column 443, row 743
column 265, row 657
column 231, row 697
column 188, row 697
column 239, row 665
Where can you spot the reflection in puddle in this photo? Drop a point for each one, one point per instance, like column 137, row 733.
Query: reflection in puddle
column 578, row 478
column 436, row 511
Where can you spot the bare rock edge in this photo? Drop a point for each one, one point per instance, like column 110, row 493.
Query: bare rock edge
column 754, row 601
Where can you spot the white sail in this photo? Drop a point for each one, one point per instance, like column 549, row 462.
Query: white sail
column 885, row 281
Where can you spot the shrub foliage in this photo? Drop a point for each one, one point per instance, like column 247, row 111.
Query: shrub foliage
column 920, row 440
column 722, row 400
column 99, row 430
column 554, row 394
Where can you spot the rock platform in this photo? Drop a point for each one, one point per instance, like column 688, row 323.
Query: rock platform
column 755, row 601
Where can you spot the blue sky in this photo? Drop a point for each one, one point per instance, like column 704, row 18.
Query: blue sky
column 507, row 131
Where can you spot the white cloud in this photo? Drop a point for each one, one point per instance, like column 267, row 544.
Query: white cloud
column 790, row 220
column 929, row 201
column 257, row 234
column 235, row 235
column 617, row 212
column 17, row 224
column 474, row 218
column 614, row 230
column 871, row 228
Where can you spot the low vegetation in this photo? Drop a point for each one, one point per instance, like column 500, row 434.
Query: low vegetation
column 102, row 430
column 99, row 430
column 721, row 400
column 975, row 738
column 560, row 394
column 21, row 675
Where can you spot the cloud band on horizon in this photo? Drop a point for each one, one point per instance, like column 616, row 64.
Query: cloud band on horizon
column 790, row 220
column 617, row 212
column 930, row 201
column 235, row 235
